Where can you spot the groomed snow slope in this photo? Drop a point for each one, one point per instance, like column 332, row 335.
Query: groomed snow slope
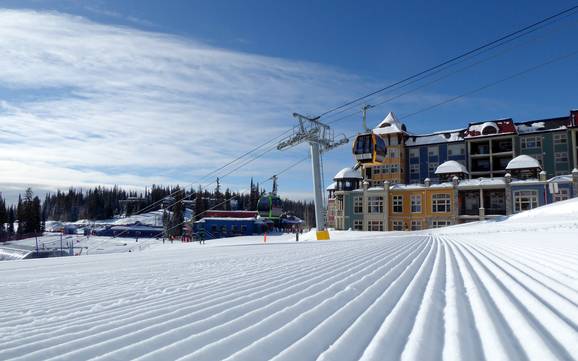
column 483, row 291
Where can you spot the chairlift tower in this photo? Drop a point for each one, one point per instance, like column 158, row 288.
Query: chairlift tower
column 274, row 189
column 321, row 139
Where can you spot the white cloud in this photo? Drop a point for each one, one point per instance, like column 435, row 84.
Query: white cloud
column 83, row 103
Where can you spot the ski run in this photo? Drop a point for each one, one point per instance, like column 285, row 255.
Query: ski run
column 505, row 290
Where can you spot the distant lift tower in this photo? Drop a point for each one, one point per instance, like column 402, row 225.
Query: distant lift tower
column 321, row 139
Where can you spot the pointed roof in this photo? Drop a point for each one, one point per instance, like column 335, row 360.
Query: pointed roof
column 523, row 162
column 451, row 166
column 389, row 125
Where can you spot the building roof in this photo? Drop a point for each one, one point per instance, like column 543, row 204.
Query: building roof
column 225, row 219
column 523, row 162
column 482, row 182
column 213, row 213
column 332, row 186
column 451, row 166
column 348, row 173
column 491, row 128
column 445, row 136
column 544, row 125
column 390, row 125
column 565, row 178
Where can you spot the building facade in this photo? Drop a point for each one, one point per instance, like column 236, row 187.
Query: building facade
column 485, row 170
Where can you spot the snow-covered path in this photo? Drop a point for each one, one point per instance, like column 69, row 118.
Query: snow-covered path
column 427, row 296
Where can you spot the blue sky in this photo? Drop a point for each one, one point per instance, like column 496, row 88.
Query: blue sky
column 141, row 92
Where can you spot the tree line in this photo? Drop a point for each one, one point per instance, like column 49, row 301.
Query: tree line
column 28, row 216
column 22, row 220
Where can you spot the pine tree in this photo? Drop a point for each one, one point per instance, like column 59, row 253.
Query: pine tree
column 11, row 221
column 35, row 216
column 3, row 220
column 219, row 200
column 227, row 200
column 20, row 217
column 177, row 218
column 199, row 204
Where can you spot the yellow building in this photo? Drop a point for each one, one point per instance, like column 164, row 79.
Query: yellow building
column 416, row 207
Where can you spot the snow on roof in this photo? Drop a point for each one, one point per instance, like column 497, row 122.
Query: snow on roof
column 526, row 181
column 389, row 125
column 451, row 166
column 407, row 186
column 481, row 182
column 226, row 219
column 348, row 173
column 544, row 125
column 525, row 128
column 489, row 125
column 566, row 178
column 445, row 136
column 523, row 162
column 332, row 186
column 442, row 185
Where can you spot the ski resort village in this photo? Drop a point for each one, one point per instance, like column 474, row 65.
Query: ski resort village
column 288, row 180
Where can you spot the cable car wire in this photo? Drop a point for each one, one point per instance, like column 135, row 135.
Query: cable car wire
column 451, row 60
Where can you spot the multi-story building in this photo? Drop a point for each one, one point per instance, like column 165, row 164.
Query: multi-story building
column 488, row 169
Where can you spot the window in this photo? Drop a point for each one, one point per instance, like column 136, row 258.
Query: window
column 376, row 226
column 431, row 167
column 441, row 203
column 415, row 225
column 414, row 169
column 456, row 149
column 234, row 229
column 397, row 204
column 562, row 195
column 440, row 224
column 524, row 200
column 531, row 142
column 394, row 168
column 357, row 205
column 375, row 204
column 357, row 225
column 416, row 203
column 561, row 157
column 414, row 153
column 560, row 138
column 432, row 151
column 393, row 152
column 243, row 229
column 213, row 229
column 397, row 225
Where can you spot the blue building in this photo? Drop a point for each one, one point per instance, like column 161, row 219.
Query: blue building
column 136, row 230
column 221, row 227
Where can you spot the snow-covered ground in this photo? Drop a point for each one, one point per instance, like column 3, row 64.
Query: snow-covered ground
column 504, row 290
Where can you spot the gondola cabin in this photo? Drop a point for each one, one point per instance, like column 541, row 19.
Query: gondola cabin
column 369, row 149
column 270, row 206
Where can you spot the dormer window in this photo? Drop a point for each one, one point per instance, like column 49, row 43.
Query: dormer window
column 489, row 128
